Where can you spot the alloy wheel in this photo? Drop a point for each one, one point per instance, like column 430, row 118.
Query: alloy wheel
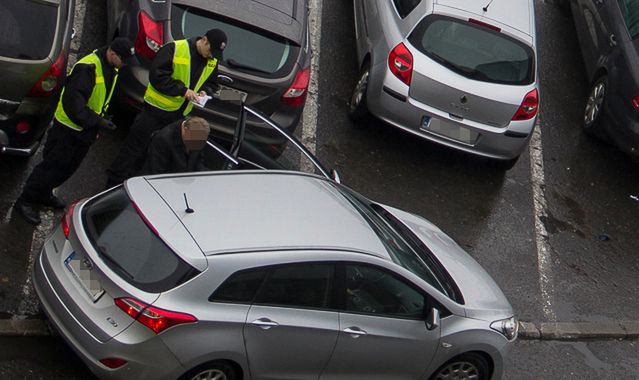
column 594, row 103
column 360, row 90
column 210, row 374
column 459, row 370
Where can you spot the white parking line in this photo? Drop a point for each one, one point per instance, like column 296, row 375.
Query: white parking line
column 309, row 117
column 544, row 250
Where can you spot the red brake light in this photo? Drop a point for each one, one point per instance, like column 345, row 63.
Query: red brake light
column 67, row 218
column 23, row 127
column 154, row 318
column 635, row 103
column 113, row 363
column 150, row 36
column 51, row 79
column 528, row 108
column 484, row 24
column 296, row 94
column 400, row 63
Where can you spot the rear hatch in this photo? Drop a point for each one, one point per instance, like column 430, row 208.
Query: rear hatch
column 469, row 70
column 264, row 46
column 118, row 253
column 28, row 31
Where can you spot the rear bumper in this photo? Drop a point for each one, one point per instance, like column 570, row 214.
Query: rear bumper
column 37, row 113
column 146, row 359
column 501, row 143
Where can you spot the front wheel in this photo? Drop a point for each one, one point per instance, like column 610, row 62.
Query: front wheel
column 211, row 371
column 593, row 123
column 358, row 110
column 464, row 367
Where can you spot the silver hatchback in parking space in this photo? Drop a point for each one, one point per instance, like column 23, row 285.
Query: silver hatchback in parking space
column 266, row 275
column 461, row 73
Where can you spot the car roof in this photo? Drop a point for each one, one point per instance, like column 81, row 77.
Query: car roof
column 241, row 211
column 516, row 14
column 281, row 17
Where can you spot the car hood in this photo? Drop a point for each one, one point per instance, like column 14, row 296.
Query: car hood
column 482, row 296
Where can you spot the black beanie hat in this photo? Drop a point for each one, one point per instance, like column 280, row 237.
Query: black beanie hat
column 217, row 39
column 124, row 48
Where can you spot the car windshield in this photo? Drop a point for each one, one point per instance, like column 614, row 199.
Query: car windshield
column 402, row 247
column 129, row 247
column 473, row 51
column 27, row 28
column 630, row 13
column 248, row 49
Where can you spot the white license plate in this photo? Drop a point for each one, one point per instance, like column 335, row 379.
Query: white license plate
column 449, row 130
column 82, row 269
column 230, row 94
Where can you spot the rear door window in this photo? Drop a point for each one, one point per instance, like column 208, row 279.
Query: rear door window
column 300, row 286
column 129, row 247
column 474, row 51
column 27, row 28
column 249, row 49
column 630, row 13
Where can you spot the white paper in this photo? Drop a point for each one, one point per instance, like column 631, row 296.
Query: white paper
column 200, row 101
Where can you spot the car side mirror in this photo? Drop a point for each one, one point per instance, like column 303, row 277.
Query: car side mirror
column 432, row 319
column 335, row 176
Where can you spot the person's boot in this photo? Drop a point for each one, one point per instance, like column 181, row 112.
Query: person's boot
column 54, row 202
column 27, row 211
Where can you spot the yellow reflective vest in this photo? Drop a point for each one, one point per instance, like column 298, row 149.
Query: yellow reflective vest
column 181, row 72
column 98, row 101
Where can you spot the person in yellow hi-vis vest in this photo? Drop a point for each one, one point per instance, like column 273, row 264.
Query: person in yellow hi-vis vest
column 181, row 71
column 78, row 118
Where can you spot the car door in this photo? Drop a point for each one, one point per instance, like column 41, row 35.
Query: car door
column 383, row 334
column 290, row 331
column 593, row 23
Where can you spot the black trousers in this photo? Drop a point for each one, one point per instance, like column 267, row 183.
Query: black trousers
column 63, row 153
column 133, row 151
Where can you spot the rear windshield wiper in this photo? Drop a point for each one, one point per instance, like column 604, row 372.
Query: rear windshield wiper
column 107, row 256
column 238, row 65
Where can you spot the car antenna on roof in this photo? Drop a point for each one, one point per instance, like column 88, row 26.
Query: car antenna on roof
column 488, row 5
column 188, row 209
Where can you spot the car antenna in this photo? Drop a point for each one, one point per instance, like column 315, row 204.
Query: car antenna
column 188, row 209
column 488, row 5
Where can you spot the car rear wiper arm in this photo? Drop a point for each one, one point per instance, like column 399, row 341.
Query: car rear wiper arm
column 238, row 65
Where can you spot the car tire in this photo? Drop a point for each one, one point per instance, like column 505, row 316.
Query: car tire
column 595, row 103
column 470, row 365
column 358, row 110
column 217, row 370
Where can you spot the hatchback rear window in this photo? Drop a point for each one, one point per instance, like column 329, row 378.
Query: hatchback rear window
column 473, row 51
column 27, row 29
column 249, row 49
column 127, row 245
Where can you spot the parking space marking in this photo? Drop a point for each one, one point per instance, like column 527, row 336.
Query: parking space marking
column 309, row 117
column 544, row 250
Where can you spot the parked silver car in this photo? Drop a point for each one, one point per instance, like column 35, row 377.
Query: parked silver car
column 266, row 275
column 461, row 73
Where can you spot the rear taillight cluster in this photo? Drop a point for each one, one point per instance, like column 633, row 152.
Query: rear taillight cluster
column 67, row 219
column 529, row 106
column 400, row 63
column 296, row 94
column 154, row 318
column 150, row 36
column 51, row 79
column 635, row 103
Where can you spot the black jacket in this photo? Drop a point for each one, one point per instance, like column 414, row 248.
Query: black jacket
column 77, row 92
column 167, row 153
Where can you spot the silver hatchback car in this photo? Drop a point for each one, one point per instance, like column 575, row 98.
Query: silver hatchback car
column 461, row 73
column 266, row 275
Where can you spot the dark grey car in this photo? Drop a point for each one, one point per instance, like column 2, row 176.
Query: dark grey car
column 34, row 44
column 267, row 59
column 608, row 33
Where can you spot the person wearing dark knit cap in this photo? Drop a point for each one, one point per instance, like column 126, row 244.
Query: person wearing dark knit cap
column 79, row 117
column 181, row 72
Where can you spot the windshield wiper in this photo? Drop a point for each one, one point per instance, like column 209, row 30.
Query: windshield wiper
column 238, row 65
column 104, row 253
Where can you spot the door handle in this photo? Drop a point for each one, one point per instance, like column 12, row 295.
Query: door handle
column 354, row 331
column 613, row 40
column 265, row 323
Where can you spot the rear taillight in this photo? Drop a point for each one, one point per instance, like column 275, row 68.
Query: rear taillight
column 113, row 363
column 150, row 36
column 296, row 94
column 635, row 103
column 154, row 318
column 484, row 24
column 67, row 218
column 23, row 127
column 528, row 108
column 51, row 79
column 400, row 63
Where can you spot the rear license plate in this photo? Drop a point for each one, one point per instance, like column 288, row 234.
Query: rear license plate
column 82, row 269
column 449, row 130
column 229, row 94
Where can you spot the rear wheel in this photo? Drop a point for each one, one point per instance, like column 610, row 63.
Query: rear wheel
column 468, row 366
column 211, row 371
column 358, row 110
column 593, row 124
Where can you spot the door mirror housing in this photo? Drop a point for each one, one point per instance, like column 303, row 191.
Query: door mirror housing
column 432, row 319
column 335, row 176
